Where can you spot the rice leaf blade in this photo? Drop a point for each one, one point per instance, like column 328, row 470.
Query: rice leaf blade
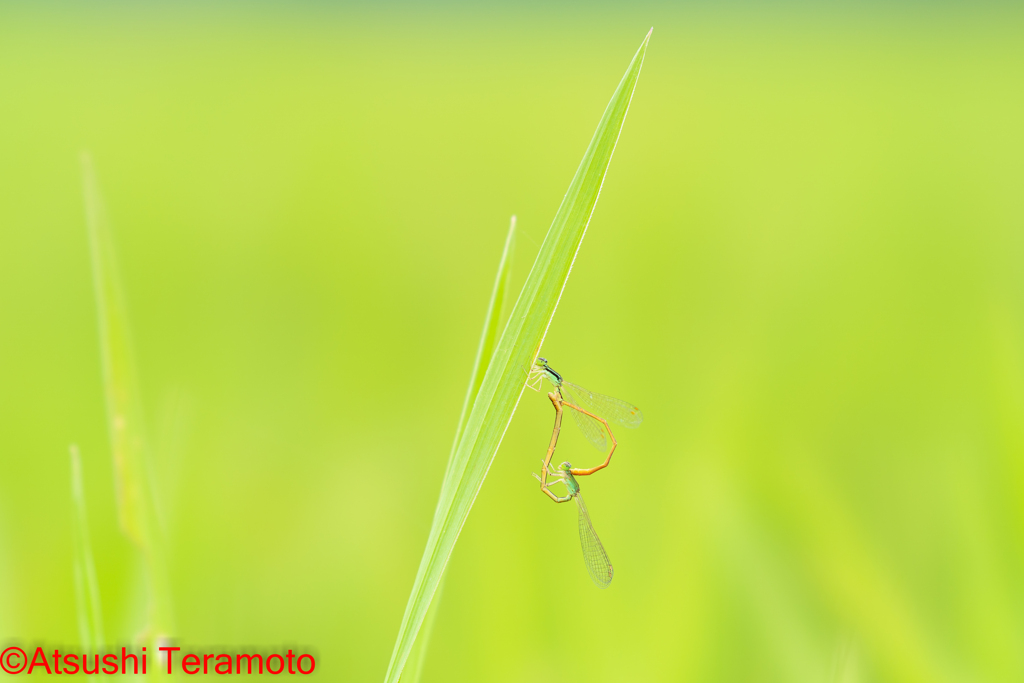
column 505, row 377
column 87, row 592
column 135, row 491
column 485, row 349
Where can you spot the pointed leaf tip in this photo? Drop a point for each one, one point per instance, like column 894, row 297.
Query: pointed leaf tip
column 503, row 381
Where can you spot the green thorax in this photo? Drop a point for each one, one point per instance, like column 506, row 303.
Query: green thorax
column 570, row 481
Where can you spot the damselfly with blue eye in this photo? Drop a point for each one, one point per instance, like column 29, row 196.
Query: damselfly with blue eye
column 591, row 411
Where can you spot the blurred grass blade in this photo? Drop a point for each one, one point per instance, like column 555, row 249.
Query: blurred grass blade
column 87, row 591
column 485, row 349
column 505, row 376
column 844, row 663
column 123, row 410
column 136, row 505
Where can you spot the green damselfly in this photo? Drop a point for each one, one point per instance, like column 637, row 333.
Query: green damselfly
column 594, row 555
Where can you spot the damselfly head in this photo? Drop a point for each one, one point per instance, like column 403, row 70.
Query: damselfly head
column 566, row 466
column 541, row 361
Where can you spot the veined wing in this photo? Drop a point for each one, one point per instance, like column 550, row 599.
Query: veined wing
column 611, row 409
column 598, row 564
column 591, row 428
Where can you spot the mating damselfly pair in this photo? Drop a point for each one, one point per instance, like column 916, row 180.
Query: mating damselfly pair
column 592, row 413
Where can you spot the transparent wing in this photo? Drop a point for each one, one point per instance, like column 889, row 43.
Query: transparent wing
column 598, row 564
column 591, row 428
column 611, row 409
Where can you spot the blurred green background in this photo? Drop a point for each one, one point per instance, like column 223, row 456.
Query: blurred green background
column 805, row 267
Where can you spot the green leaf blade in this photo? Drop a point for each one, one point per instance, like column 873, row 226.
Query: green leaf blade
column 489, row 335
column 124, row 412
column 135, row 490
column 504, row 380
column 485, row 349
column 87, row 592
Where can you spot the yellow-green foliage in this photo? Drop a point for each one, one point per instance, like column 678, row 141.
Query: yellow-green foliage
column 805, row 268
column 489, row 335
column 132, row 469
column 87, row 595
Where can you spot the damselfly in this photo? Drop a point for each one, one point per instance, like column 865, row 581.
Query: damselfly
column 594, row 555
column 590, row 410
